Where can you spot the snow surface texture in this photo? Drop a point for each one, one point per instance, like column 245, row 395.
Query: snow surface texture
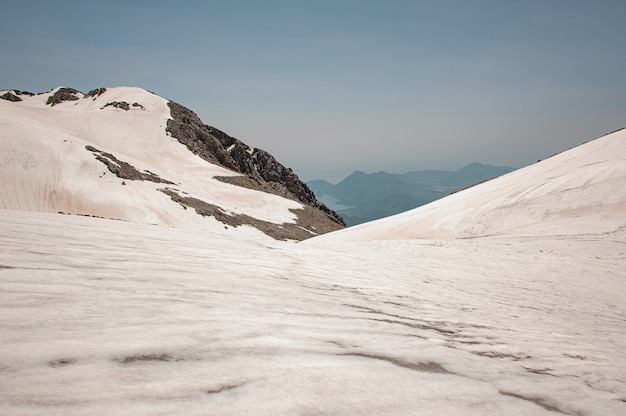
column 105, row 317
column 527, row 317
column 46, row 166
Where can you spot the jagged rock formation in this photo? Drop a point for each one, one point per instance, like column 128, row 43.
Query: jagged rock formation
column 95, row 93
column 217, row 147
column 63, row 94
column 14, row 95
column 123, row 105
column 188, row 129
column 9, row 96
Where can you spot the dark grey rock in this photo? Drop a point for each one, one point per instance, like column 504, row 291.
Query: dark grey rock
column 9, row 96
column 63, row 94
column 188, row 129
column 122, row 105
column 309, row 223
column 125, row 170
column 217, row 147
column 95, row 93
column 30, row 94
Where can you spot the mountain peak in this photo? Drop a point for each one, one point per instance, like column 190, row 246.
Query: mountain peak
column 73, row 156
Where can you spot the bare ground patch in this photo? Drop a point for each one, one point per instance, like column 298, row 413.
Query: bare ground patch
column 123, row 169
column 310, row 221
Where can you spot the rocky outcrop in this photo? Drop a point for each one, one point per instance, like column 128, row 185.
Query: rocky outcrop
column 301, row 230
column 188, row 129
column 260, row 167
column 123, row 105
column 14, row 95
column 125, row 170
column 63, row 94
column 9, row 96
column 95, row 93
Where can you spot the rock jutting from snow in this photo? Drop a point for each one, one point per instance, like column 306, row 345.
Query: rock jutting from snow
column 301, row 230
column 14, row 95
column 125, row 170
column 95, row 93
column 123, row 105
column 215, row 146
column 9, row 96
column 63, row 94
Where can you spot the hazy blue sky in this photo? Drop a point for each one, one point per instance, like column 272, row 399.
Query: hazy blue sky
column 329, row 87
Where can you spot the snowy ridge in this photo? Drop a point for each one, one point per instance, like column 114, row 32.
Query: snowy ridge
column 578, row 191
column 48, row 163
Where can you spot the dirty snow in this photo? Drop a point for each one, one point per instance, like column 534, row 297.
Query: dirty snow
column 507, row 298
column 45, row 167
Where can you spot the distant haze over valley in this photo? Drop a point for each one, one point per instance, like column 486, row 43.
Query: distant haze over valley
column 363, row 197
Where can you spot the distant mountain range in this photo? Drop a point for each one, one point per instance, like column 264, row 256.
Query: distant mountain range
column 363, row 197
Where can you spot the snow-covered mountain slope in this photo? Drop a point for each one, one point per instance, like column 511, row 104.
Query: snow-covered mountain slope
column 106, row 317
column 581, row 190
column 108, row 154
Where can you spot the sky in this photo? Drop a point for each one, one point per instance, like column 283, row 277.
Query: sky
column 330, row 87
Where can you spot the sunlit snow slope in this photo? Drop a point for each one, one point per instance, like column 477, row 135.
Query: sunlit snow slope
column 581, row 190
column 45, row 164
column 104, row 317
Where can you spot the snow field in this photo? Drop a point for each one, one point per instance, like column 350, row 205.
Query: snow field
column 505, row 298
column 110, row 317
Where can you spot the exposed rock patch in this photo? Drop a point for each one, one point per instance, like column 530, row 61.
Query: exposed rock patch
column 188, row 129
column 63, row 94
column 95, row 93
column 14, row 95
column 9, row 96
column 310, row 222
column 123, row 169
column 259, row 164
column 264, row 172
column 123, row 105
